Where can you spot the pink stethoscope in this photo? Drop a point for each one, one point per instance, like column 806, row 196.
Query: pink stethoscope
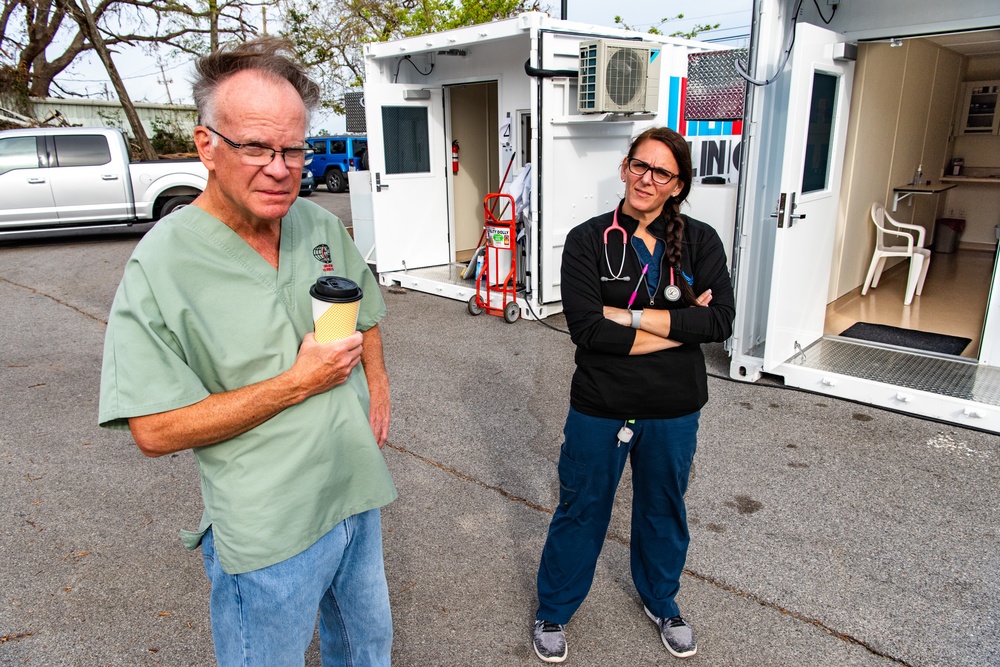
column 672, row 292
column 616, row 227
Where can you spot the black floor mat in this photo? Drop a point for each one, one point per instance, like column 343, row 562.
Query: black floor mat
column 917, row 340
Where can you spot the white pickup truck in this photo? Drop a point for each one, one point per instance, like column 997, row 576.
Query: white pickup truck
column 81, row 177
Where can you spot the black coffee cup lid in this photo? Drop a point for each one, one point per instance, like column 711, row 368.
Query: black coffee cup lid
column 335, row 289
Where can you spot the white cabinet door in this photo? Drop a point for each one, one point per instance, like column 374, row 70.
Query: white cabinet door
column 979, row 113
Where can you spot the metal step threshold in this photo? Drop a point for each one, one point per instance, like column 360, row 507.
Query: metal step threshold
column 443, row 280
column 932, row 386
column 446, row 280
column 944, row 375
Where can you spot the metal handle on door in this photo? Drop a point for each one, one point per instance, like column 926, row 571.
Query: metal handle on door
column 792, row 215
column 109, row 177
column 378, row 183
column 36, row 180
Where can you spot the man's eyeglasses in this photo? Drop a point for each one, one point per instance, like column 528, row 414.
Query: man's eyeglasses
column 639, row 168
column 257, row 155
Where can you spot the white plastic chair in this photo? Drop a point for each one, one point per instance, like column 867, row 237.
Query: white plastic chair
column 920, row 257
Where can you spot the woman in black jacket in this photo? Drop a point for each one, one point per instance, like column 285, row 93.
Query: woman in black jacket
column 629, row 283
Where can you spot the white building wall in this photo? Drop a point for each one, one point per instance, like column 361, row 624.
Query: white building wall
column 109, row 113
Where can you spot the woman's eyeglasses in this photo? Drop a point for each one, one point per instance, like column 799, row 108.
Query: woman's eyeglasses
column 639, row 168
column 257, row 155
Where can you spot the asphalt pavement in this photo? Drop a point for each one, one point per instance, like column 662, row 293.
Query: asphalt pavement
column 823, row 532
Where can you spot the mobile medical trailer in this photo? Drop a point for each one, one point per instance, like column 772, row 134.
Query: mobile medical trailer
column 448, row 112
column 851, row 96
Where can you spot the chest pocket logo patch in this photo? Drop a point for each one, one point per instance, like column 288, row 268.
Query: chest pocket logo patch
column 322, row 255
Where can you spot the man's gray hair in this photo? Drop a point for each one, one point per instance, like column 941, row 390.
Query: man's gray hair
column 273, row 56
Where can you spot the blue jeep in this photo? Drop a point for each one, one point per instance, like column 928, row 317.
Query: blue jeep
column 337, row 155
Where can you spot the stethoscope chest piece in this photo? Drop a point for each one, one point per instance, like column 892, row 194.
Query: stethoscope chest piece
column 672, row 291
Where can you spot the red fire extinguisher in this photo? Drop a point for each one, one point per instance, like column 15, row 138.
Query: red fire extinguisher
column 454, row 157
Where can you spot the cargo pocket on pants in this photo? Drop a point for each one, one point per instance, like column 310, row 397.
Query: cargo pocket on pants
column 572, row 482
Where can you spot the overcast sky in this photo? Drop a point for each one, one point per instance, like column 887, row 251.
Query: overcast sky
column 144, row 79
column 733, row 16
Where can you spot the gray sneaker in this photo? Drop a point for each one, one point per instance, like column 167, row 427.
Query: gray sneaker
column 549, row 641
column 676, row 634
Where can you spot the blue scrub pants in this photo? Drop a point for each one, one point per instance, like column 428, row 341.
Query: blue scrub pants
column 590, row 465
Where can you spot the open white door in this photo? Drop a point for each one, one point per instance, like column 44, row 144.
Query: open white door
column 406, row 157
column 989, row 349
column 818, row 102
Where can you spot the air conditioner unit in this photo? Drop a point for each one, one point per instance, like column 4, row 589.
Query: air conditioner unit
column 618, row 76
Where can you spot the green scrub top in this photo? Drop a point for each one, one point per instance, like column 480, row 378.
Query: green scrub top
column 200, row 312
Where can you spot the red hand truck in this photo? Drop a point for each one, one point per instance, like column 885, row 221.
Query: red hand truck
column 501, row 237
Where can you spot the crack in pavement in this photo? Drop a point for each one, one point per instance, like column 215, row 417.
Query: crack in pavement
column 57, row 300
column 612, row 537
column 469, row 478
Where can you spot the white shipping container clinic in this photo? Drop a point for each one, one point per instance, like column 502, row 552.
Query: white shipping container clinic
column 804, row 236
column 795, row 246
column 470, row 86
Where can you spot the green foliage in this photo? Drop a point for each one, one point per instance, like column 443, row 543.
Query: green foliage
column 111, row 118
column 330, row 36
column 14, row 88
column 169, row 138
column 696, row 29
column 445, row 15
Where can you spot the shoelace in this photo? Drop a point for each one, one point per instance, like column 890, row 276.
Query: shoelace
column 675, row 622
column 551, row 627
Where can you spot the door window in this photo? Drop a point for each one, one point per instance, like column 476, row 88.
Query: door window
column 18, row 153
column 405, row 137
column 819, row 135
column 338, row 146
column 319, row 147
column 83, row 150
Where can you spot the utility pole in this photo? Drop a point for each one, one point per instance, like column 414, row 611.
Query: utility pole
column 148, row 152
column 263, row 15
column 165, row 81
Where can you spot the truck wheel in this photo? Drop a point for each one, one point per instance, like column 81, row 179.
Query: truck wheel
column 335, row 181
column 175, row 203
column 364, row 160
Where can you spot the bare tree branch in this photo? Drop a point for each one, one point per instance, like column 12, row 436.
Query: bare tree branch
column 44, row 37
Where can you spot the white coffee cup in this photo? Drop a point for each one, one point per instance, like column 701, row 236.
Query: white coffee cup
column 335, row 304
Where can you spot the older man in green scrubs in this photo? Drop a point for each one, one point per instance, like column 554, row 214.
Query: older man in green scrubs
column 210, row 347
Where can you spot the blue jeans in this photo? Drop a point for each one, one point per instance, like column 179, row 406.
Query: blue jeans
column 590, row 466
column 266, row 618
